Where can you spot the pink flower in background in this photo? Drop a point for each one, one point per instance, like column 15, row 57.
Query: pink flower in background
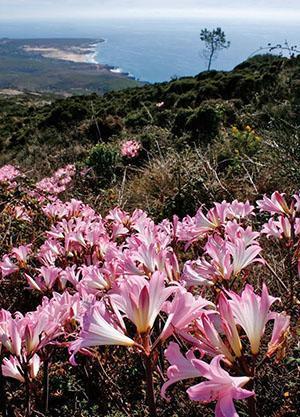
column 8, row 173
column 58, row 182
column 208, row 339
column 130, row 149
column 182, row 310
column 21, row 213
column 159, row 105
column 278, row 228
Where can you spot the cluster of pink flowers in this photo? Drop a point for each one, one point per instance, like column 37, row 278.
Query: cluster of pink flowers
column 58, row 182
column 130, row 148
column 8, row 173
column 99, row 274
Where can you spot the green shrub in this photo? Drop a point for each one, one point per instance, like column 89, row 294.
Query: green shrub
column 204, row 123
column 137, row 119
column 103, row 158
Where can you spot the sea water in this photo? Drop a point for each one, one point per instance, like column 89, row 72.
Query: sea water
column 158, row 50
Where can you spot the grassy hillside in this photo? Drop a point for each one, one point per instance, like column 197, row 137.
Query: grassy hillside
column 216, row 135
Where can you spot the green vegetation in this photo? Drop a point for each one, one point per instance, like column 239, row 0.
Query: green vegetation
column 204, row 138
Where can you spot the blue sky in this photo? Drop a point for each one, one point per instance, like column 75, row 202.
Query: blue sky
column 68, row 9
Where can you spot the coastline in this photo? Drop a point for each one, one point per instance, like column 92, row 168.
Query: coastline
column 77, row 54
column 85, row 54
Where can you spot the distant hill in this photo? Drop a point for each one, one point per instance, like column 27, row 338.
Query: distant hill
column 57, row 66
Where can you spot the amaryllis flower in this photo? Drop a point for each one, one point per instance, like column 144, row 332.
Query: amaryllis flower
column 141, row 300
column 47, row 278
column 252, row 312
column 7, row 266
column 278, row 228
column 130, row 148
column 220, row 385
column 21, row 253
column 100, row 328
column 243, row 255
column 182, row 310
column 229, row 325
column 208, row 339
column 21, row 213
column 181, row 366
column 240, row 210
column 14, row 368
column 274, row 205
column 218, row 249
column 93, row 280
column 8, row 173
column 280, row 330
column 199, row 272
column 234, row 231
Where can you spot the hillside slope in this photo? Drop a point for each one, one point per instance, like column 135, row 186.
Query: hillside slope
column 215, row 134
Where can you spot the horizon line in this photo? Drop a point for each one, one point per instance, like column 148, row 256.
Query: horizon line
column 276, row 14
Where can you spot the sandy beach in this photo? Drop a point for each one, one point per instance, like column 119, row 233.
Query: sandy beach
column 72, row 53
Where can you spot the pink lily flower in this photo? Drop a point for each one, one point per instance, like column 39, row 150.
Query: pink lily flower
column 221, row 262
column 243, row 255
column 13, row 368
column 199, row 272
column 280, row 329
column 181, row 367
column 208, row 339
column 182, row 310
column 8, row 173
column 229, row 325
column 278, row 229
column 274, row 205
column 21, row 253
column 239, row 209
column 100, row 328
column 220, row 387
column 251, row 312
column 7, row 266
column 234, row 231
column 141, row 300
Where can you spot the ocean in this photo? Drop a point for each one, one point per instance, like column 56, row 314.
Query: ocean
column 158, row 50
